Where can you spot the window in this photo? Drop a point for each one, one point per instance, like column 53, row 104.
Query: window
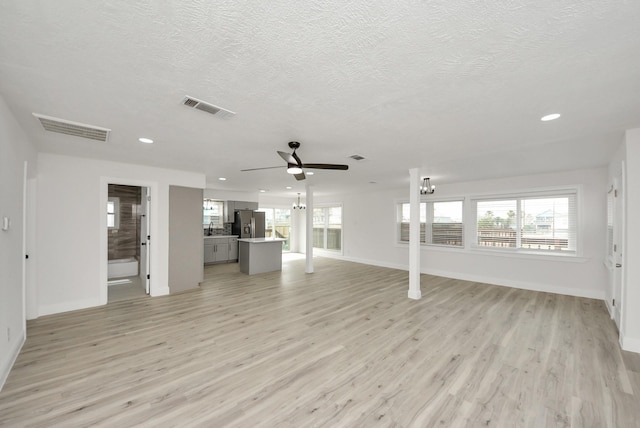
column 442, row 220
column 113, row 213
column 532, row 223
column 213, row 212
column 278, row 225
column 327, row 228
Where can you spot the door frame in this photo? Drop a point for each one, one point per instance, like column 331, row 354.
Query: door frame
column 104, row 243
column 614, row 257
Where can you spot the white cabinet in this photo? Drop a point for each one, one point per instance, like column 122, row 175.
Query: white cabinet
column 219, row 250
column 233, row 249
column 209, row 256
column 228, row 211
column 231, row 206
column 244, row 205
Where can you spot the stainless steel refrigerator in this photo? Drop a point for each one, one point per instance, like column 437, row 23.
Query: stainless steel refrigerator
column 249, row 224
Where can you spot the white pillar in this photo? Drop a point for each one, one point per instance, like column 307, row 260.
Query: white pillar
column 414, row 235
column 309, row 227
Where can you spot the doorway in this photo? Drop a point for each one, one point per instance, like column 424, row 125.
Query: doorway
column 128, row 239
column 278, row 225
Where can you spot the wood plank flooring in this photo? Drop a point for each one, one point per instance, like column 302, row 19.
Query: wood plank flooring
column 343, row 347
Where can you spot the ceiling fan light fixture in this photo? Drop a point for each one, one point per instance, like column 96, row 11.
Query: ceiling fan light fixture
column 294, row 169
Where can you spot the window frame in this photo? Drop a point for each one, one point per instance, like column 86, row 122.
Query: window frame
column 220, row 223
column 573, row 219
column 116, row 212
column 326, row 208
column 286, row 245
column 429, row 217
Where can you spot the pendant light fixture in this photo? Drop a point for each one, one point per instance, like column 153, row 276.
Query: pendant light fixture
column 427, row 188
column 299, row 206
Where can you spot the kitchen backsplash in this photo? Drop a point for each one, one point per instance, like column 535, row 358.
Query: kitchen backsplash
column 224, row 231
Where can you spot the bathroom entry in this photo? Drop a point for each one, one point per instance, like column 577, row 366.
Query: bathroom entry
column 128, row 238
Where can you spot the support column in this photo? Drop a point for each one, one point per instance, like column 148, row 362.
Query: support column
column 309, row 227
column 414, row 235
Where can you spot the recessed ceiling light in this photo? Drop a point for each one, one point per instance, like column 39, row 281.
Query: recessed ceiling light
column 310, row 173
column 145, row 140
column 262, row 190
column 222, row 179
column 288, row 187
column 549, row 117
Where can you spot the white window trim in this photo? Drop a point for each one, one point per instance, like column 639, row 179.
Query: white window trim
column 537, row 193
column 116, row 212
column 469, row 217
column 398, row 205
column 323, row 251
column 220, row 224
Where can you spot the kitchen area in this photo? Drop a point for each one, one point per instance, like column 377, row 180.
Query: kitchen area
column 234, row 232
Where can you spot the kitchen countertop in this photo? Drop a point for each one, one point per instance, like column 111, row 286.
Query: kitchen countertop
column 220, row 236
column 260, row 240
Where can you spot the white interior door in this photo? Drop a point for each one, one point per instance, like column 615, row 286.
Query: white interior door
column 145, row 239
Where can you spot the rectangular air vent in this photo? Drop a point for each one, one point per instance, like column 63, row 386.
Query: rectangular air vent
column 357, row 157
column 207, row 107
column 61, row 126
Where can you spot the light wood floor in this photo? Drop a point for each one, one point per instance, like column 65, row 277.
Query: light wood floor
column 130, row 290
column 342, row 347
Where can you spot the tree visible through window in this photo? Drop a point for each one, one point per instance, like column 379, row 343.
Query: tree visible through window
column 531, row 223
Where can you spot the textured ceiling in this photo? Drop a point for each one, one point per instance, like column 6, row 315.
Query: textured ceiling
column 455, row 88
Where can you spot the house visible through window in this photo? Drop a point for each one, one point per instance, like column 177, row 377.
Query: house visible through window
column 327, row 228
column 440, row 223
column 544, row 223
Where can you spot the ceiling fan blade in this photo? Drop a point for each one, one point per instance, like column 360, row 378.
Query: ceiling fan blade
column 256, row 169
column 300, row 176
column 288, row 158
column 326, row 166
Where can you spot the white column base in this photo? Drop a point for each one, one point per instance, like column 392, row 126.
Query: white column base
column 415, row 294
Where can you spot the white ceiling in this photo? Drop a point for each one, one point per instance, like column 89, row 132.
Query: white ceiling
column 456, row 88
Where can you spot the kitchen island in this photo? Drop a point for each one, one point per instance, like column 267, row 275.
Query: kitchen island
column 259, row 255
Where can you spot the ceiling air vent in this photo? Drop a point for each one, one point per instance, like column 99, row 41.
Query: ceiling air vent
column 357, row 157
column 61, row 126
column 207, row 107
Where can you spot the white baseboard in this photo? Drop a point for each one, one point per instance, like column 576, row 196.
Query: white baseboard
column 11, row 360
column 68, row 306
column 568, row 291
column 546, row 288
column 607, row 303
column 630, row 344
column 160, row 292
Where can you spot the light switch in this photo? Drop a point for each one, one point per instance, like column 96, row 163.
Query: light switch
column 6, row 222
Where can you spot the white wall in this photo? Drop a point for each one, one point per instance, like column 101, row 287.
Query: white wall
column 227, row 195
column 71, row 224
column 369, row 227
column 630, row 323
column 15, row 150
